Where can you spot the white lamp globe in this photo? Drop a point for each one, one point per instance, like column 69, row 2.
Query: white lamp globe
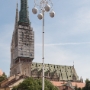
column 40, row 16
column 47, row 8
column 52, row 14
column 34, row 10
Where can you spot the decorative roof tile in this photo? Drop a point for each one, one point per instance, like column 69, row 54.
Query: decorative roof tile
column 63, row 72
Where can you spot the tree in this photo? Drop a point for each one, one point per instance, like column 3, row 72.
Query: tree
column 79, row 89
column 76, row 88
column 34, row 84
column 87, row 85
column 3, row 77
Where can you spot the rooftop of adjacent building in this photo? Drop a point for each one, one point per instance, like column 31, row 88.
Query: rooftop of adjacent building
column 15, row 79
column 1, row 72
column 60, row 83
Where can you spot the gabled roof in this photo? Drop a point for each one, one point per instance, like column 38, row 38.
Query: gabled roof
column 64, row 72
column 11, row 80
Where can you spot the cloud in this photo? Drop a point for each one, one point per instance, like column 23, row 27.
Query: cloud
column 76, row 22
column 58, row 44
column 5, row 39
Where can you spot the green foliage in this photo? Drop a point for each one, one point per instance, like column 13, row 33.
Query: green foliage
column 79, row 89
column 87, row 80
column 87, row 86
column 14, row 88
column 76, row 88
column 3, row 77
column 34, row 84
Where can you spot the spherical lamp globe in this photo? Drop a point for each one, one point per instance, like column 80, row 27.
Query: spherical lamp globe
column 40, row 16
column 34, row 10
column 52, row 14
column 47, row 8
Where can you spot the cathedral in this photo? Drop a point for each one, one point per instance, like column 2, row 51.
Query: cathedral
column 22, row 57
column 22, row 52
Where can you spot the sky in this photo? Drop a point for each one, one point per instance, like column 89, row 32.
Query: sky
column 67, row 35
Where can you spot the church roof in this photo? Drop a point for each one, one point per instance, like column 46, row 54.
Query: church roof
column 63, row 72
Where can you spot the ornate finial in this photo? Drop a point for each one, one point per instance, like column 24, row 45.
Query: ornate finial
column 23, row 14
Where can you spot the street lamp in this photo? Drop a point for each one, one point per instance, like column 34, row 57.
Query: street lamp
column 43, row 6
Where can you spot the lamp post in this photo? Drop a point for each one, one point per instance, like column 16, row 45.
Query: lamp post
column 43, row 6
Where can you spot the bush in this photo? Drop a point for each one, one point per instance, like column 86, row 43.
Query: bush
column 34, row 84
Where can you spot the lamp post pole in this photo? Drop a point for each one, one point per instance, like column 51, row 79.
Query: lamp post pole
column 43, row 51
column 43, row 6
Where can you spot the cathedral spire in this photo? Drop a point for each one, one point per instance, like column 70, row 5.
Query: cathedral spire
column 23, row 14
column 16, row 18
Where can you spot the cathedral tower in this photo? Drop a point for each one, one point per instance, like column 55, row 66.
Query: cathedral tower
column 22, row 45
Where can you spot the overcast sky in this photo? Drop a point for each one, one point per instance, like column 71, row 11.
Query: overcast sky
column 67, row 35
